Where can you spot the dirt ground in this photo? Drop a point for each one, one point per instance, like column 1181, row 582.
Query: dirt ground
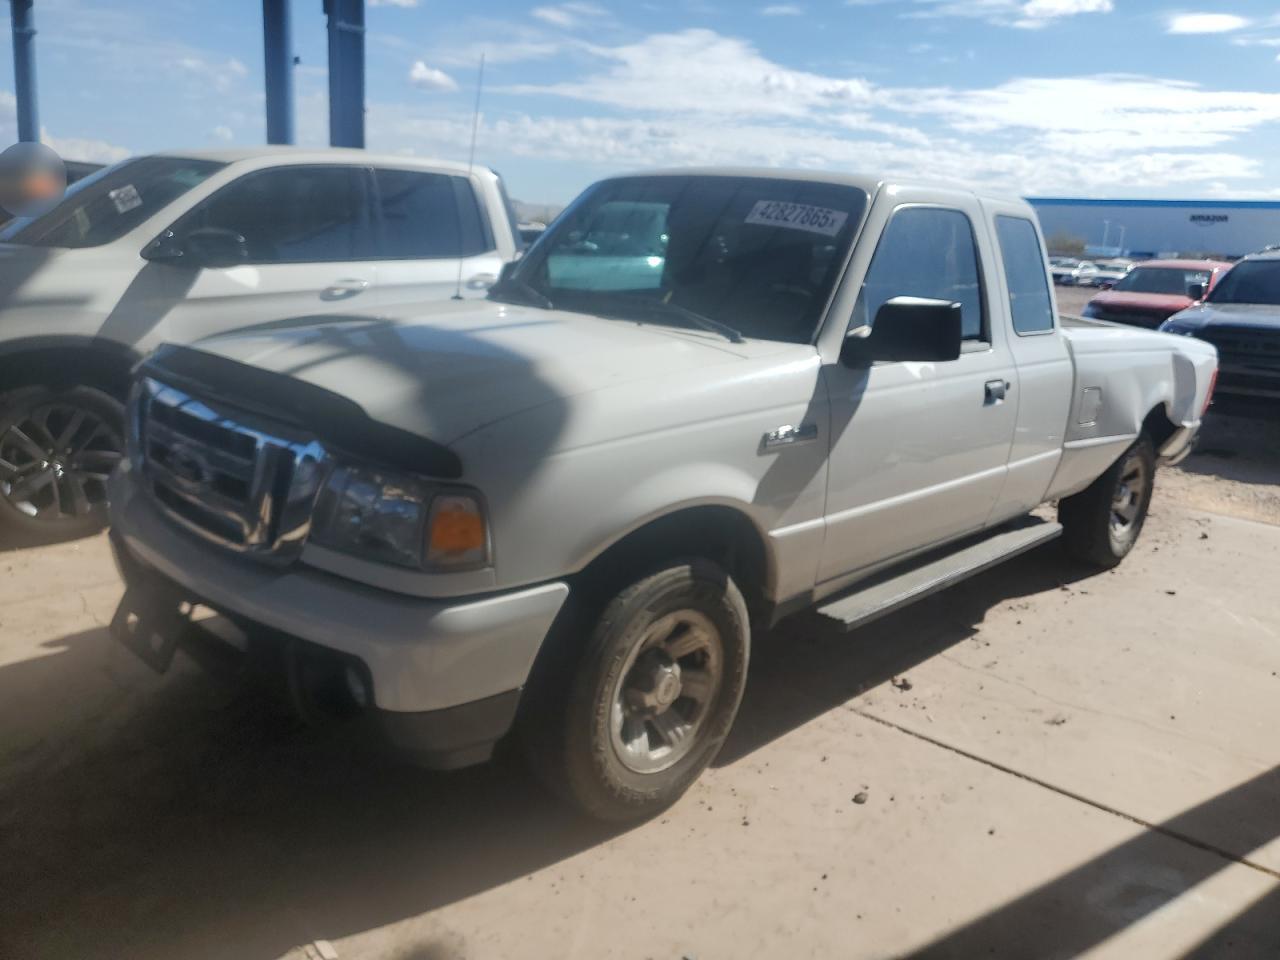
column 1041, row 762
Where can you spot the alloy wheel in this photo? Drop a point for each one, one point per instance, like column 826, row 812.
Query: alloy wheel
column 665, row 691
column 55, row 460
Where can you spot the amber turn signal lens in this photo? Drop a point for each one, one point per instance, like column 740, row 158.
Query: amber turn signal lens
column 456, row 533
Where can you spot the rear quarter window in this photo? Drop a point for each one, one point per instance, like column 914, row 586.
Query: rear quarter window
column 1030, row 303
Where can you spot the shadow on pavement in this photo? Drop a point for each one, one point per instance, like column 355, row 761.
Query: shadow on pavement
column 1080, row 909
column 1240, row 448
column 177, row 817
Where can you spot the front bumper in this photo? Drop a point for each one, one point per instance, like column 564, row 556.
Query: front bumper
column 421, row 656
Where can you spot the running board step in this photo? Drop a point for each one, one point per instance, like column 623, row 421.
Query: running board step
column 885, row 595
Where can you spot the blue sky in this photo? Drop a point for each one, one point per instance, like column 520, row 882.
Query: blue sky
column 1074, row 97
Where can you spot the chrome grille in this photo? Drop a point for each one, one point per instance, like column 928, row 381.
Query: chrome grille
column 226, row 475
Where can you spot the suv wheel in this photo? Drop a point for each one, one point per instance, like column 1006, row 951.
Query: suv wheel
column 57, row 448
column 652, row 696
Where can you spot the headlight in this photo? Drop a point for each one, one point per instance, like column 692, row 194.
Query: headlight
column 402, row 520
column 1175, row 326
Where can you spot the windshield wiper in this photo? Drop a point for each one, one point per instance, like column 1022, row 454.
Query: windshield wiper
column 662, row 308
column 530, row 295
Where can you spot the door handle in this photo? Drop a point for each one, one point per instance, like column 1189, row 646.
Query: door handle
column 342, row 289
column 995, row 391
column 481, row 281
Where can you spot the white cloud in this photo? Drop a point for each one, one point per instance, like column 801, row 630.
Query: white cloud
column 506, row 51
column 393, row 3
column 700, row 97
column 1206, row 23
column 68, row 148
column 700, row 71
column 221, row 75
column 1009, row 13
column 1048, row 9
column 221, row 132
column 1040, row 13
column 782, row 10
column 568, row 15
column 430, row 78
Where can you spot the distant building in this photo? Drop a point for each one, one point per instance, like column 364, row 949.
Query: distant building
column 1151, row 228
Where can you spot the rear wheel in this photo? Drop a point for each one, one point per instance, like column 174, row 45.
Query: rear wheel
column 57, row 448
column 651, row 697
column 1101, row 523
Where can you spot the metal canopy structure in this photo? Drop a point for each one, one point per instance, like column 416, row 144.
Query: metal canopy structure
column 346, row 70
column 24, row 69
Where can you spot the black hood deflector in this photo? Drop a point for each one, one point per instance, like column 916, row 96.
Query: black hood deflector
column 336, row 421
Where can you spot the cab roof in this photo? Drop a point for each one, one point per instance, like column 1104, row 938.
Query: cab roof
column 315, row 155
column 869, row 184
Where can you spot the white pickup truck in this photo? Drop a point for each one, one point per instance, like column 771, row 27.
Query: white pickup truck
column 703, row 401
column 177, row 246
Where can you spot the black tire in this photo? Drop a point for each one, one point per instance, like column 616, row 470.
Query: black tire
column 569, row 735
column 1096, row 529
column 71, row 500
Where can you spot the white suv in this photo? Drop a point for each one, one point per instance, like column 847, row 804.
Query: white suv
column 178, row 246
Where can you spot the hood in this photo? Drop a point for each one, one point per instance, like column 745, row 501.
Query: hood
column 455, row 367
column 1259, row 316
column 1164, row 303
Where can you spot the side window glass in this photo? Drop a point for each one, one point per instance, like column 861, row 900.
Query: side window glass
column 1030, row 303
column 476, row 237
column 926, row 252
column 419, row 214
column 292, row 215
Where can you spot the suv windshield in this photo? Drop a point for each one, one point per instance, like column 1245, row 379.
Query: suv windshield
column 752, row 255
column 107, row 205
column 1249, row 281
column 1168, row 280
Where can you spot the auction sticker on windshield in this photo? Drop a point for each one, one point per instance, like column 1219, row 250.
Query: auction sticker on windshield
column 797, row 216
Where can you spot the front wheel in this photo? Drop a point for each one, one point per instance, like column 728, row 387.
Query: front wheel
column 652, row 695
column 57, row 448
column 1102, row 522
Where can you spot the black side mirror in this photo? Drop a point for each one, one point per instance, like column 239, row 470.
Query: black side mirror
column 907, row 328
column 1195, row 291
column 507, row 269
column 214, row 247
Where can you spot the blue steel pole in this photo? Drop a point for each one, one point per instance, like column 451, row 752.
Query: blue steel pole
column 346, row 72
column 277, row 46
column 24, row 70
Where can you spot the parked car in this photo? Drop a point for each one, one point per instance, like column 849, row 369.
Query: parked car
column 1110, row 272
column 1153, row 291
column 1075, row 273
column 565, row 510
column 1241, row 317
column 175, row 247
column 531, row 230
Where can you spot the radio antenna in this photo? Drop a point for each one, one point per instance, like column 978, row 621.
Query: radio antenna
column 471, row 162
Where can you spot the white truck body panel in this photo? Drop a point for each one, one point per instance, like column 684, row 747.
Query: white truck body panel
column 580, row 429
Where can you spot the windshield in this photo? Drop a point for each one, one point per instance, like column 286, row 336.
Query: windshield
column 755, row 255
column 1249, row 281
column 107, row 205
column 1168, row 280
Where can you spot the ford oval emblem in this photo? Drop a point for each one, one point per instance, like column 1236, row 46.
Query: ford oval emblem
column 189, row 466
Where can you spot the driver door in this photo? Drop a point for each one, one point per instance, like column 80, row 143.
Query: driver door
column 308, row 250
column 919, row 451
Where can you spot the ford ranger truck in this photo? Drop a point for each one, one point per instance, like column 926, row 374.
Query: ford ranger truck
column 705, row 400
column 178, row 246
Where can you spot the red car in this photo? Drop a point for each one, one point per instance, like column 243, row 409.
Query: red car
column 1155, row 290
